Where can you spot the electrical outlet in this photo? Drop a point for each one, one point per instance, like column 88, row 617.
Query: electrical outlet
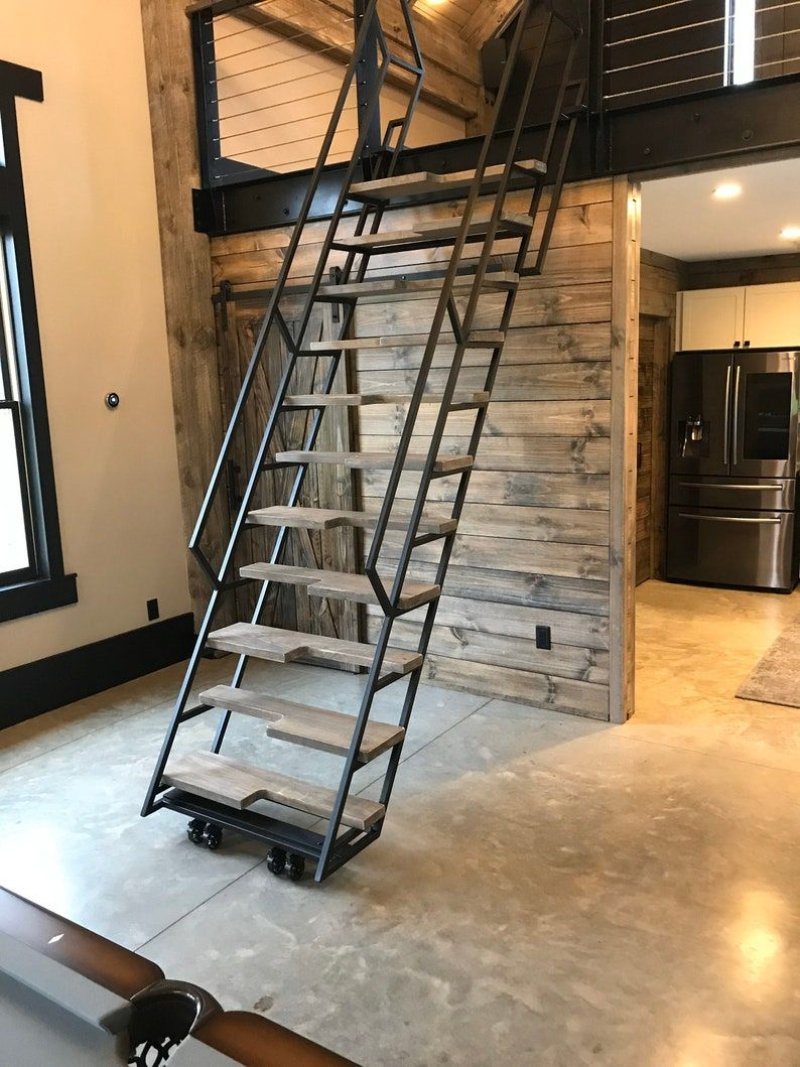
column 544, row 638
column 152, row 610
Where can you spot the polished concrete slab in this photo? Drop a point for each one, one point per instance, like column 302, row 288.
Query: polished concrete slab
column 548, row 891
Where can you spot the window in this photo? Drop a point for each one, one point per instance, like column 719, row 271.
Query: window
column 32, row 575
column 741, row 42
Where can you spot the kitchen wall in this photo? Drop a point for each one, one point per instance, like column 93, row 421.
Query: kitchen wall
column 534, row 541
column 90, row 190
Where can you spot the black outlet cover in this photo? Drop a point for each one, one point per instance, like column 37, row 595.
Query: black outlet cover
column 543, row 638
column 152, row 610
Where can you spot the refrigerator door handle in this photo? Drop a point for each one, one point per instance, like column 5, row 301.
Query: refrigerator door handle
column 727, row 419
column 736, row 414
column 730, row 485
column 728, row 518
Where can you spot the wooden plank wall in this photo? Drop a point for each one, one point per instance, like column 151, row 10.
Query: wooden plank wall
column 661, row 278
column 534, row 542
column 752, row 270
column 187, row 279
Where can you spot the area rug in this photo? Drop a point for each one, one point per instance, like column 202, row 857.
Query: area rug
column 776, row 676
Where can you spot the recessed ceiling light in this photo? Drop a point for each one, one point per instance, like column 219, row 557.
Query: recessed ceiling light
column 727, row 191
column 790, row 233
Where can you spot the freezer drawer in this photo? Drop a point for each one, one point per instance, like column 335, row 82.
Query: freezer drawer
column 746, row 494
column 742, row 548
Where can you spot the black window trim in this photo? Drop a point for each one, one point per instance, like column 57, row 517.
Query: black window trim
column 46, row 586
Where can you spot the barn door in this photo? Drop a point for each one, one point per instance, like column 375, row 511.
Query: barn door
column 239, row 320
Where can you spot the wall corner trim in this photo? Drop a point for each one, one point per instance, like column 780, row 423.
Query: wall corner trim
column 626, row 255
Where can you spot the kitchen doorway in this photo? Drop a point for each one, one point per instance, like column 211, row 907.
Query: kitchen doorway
column 716, row 566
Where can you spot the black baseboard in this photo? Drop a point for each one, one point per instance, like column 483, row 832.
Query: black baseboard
column 34, row 688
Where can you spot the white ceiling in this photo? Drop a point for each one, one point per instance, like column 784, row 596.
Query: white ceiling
column 680, row 217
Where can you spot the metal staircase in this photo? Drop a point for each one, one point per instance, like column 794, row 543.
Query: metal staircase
column 214, row 790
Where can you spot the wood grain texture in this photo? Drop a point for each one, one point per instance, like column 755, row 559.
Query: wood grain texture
column 324, row 486
column 533, row 542
column 355, row 587
column 186, row 268
column 286, row 646
column 240, row 785
column 318, row 728
column 329, row 519
column 624, row 399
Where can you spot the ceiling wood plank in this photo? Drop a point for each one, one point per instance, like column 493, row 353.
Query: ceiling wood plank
column 452, row 73
column 487, row 18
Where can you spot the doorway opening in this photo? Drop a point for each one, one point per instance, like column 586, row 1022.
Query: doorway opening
column 717, row 521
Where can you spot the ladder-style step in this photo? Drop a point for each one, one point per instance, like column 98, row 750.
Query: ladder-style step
column 423, row 183
column 477, row 339
column 358, row 400
column 240, row 785
column 338, row 586
column 285, row 646
column 318, row 728
column 379, row 461
column 430, row 234
column 329, row 519
column 402, row 287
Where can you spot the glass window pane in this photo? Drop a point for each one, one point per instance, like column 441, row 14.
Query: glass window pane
column 768, row 413
column 13, row 543
column 9, row 383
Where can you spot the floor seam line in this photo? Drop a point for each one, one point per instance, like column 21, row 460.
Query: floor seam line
column 201, row 904
column 710, row 754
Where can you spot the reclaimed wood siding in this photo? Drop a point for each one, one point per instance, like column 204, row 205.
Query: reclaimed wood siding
column 533, row 545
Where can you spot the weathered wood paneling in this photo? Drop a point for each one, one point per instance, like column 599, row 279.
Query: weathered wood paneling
column 533, row 545
column 625, row 358
column 186, row 267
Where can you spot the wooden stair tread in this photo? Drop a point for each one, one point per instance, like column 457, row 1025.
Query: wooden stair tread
column 376, row 460
column 339, row 586
column 402, row 288
column 477, row 339
column 285, row 646
column 431, row 232
column 356, row 400
column 330, row 519
column 318, row 728
column 239, row 785
column 424, row 182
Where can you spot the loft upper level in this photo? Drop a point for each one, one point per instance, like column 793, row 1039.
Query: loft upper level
column 663, row 84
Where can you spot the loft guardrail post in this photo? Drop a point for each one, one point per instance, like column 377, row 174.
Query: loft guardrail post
column 601, row 149
column 367, row 88
column 207, row 108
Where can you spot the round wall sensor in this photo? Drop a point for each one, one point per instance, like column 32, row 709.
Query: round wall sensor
column 112, row 400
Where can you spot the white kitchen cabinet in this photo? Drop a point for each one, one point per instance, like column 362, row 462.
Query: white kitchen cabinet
column 772, row 315
column 756, row 316
column 712, row 318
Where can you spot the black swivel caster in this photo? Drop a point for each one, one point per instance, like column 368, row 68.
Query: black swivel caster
column 276, row 861
column 297, row 868
column 212, row 838
column 194, row 831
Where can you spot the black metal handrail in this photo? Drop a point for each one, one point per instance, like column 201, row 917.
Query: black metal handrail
column 334, row 848
column 370, row 36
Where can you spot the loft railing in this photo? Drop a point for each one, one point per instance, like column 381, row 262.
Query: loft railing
column 647, row 51
column 268, row 76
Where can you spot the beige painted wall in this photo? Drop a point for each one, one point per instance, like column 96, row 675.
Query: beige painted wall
column 88, row 166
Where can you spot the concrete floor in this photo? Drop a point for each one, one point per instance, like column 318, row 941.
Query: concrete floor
column 548, row 891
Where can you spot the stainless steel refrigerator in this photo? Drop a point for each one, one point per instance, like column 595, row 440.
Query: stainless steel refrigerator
column 733, row 469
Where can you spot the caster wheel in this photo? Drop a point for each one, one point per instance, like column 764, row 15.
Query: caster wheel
column 276, row 861
column 195, row 830
column 212, row 837
column 297, row 868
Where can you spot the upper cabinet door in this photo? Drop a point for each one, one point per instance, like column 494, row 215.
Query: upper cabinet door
column 712, row 318
column 772, row 315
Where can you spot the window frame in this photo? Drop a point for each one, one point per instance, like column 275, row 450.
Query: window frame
column 44, row 585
